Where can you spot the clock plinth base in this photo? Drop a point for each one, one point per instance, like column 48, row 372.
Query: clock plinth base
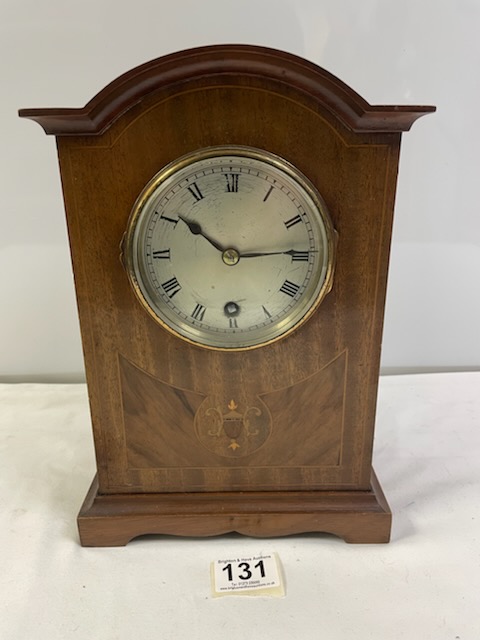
column 109, row 520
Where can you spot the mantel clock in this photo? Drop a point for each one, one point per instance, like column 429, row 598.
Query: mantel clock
column 229, row 212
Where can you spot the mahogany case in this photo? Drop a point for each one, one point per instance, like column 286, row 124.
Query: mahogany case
column 290, row 447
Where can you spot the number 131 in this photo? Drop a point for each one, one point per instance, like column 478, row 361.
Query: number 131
column 245, row 571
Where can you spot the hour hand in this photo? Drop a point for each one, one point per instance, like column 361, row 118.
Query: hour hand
column 196, row 229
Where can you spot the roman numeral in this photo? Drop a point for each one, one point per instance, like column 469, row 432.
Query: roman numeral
column 171, row 287
column 300, row 256
column 195, row 191
column 232, row 182
column 198, row 312
column 293, row 221
column 163, row 254
column 233, row 323
column 172, row 220
column 290, row 288
column 268, row 193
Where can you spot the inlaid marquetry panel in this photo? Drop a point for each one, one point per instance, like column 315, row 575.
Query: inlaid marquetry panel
column 180, row 440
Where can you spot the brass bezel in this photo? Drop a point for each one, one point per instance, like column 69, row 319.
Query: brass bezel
column 127, row 245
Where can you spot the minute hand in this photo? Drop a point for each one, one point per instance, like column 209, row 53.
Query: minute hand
column 258, row 254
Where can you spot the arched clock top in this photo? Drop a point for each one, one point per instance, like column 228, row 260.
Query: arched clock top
column 221, row 61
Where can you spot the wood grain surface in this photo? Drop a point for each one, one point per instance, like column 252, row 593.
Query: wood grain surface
column 224, row 60
column 171, row 417
column 355, row 516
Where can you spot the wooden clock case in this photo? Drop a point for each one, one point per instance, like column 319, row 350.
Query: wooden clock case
column 269, row 441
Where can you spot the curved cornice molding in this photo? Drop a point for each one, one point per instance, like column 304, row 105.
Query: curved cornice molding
column 224, row 60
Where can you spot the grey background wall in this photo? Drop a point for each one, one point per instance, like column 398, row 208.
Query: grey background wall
column 60, row 54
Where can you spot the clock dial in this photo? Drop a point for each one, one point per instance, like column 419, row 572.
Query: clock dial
column 230, row 247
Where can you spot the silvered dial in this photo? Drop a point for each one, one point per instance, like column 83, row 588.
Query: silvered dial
column 230, row 247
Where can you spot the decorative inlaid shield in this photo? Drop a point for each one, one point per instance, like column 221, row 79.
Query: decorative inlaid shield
column 234, row 428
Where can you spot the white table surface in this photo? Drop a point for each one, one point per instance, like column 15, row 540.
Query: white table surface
column 424, row 585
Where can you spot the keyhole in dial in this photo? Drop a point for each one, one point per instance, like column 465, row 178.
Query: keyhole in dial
column 231, row 309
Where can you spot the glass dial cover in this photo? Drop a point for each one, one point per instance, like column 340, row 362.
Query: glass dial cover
column 230, row 247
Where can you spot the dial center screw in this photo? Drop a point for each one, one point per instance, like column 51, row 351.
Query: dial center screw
column 230, row 257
